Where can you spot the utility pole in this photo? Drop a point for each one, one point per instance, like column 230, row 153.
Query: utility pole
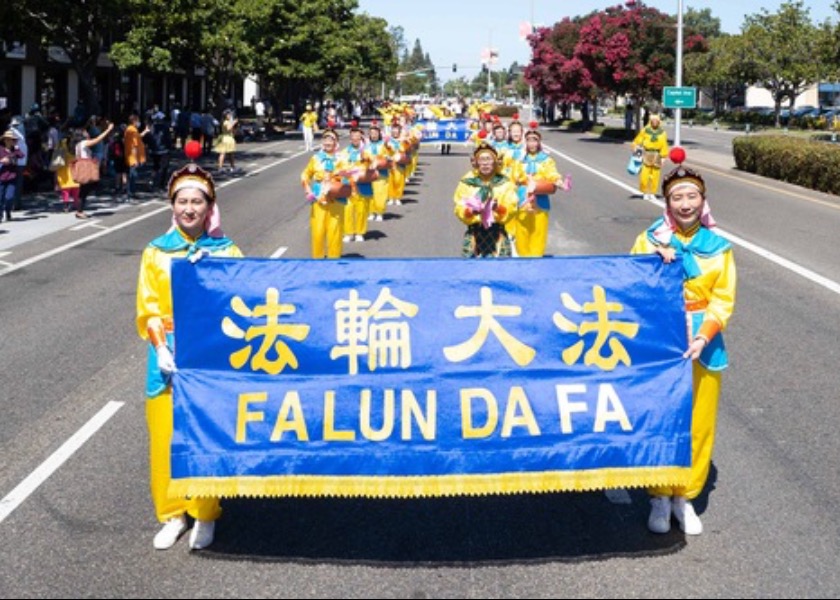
column 530, row 86
column 489, row 62
column 679, row 74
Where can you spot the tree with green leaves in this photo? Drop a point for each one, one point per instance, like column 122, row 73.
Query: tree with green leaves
column 779, row 51
column 80, row 28
column 716, row 70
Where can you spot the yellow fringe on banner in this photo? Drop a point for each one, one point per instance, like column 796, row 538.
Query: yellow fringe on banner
column 429, row 486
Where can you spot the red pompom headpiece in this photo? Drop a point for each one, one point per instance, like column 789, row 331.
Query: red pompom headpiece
column 482, row 134
column 192, row 149
column 677, row 155
column 533, row 131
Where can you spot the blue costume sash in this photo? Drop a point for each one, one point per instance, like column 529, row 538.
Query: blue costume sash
column 354, row 155
column 704, row 244
column 170, row 242
column 532, row 162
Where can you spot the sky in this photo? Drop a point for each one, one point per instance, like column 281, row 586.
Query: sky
column 457, row 31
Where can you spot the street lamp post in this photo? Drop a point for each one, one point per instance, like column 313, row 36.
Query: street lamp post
column 679, row 73
column 530, row 86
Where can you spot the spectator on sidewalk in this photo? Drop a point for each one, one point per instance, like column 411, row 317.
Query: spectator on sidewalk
column 116, row 152
column 208, row 130
column 226, row 144
column 9, row 155
column 83, row 147
column 135, row 153
column 16, row 127
column 160, row 139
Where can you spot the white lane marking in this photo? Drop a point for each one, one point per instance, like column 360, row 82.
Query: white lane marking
column 26, row 487
column 808, row 274
column 279, row 252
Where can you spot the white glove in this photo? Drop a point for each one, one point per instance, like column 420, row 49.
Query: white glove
column 165, row 360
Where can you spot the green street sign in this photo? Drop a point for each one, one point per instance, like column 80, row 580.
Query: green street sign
column 679, row 97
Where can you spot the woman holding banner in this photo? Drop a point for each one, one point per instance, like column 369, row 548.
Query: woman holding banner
column 192, row 195
column 686, row 232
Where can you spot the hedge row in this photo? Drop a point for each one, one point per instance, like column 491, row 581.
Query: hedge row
column 810, row 163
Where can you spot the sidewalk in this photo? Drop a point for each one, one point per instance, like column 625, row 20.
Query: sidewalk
column 42, row 211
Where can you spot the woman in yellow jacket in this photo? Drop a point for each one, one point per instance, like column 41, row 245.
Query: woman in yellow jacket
column 540, row 179
column 653, row 143
column 326, row 191
column 485, row 201
column 382, row 162
column 192, row 195
column 686, row 233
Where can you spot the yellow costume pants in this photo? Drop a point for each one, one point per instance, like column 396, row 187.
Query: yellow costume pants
column 326, row 222
column 703, row 417
column 649, row 179
column 356, row 214
column 412, row 164
column 396, row 183
column 380, row 196
column 159, row 422
column 531, row 232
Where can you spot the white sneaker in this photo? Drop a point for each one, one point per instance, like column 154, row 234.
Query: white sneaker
column 371, row 217
column 684, row 513
column 360, row 238
column 659, row 520
column 378, row 217
column 389, row 202
column 202, row 534
column 347, row 238
column 170, row 533
column 398, row 202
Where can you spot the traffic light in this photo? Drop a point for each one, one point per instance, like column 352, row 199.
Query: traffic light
column 454, row 67
column 484, row 68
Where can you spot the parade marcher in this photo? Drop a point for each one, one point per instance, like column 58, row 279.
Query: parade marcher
column 484, row 201
column 686, row 233
column 327, row 193
column 516, row 138
column 309, row 123
column 398, row 147
column 652, row 141
column 540, row 180
column 500, row 136
column 382, row 161
column 360, row 163
column 192, row 195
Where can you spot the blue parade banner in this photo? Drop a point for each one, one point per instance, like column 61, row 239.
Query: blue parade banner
column 428, row 377
column 445, row 130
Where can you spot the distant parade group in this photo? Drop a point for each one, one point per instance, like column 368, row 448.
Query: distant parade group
column 503, row 200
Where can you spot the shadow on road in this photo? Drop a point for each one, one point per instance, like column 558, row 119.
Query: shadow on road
column 439, row 531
